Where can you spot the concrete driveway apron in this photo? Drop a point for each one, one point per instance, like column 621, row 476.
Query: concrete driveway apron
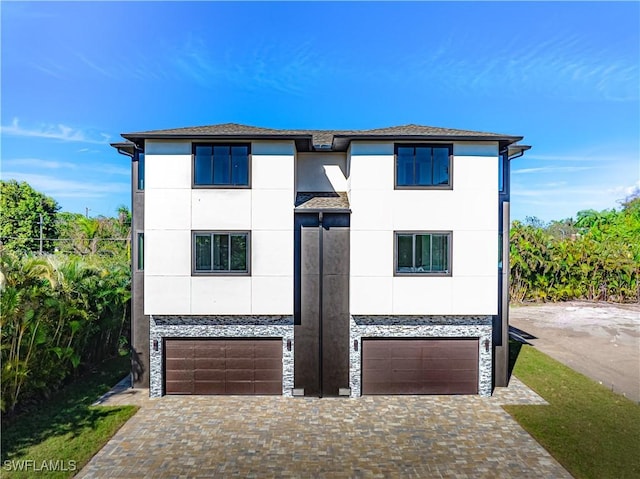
column 375, row 436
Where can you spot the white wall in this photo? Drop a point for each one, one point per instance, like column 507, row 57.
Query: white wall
column 173, row 210
column 469, row 210
column 321, row 172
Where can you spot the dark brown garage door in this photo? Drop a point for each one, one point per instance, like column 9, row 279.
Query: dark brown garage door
column 420, row 366
column 223, row 366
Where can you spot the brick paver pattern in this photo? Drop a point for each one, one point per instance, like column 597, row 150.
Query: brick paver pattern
column 375, row 436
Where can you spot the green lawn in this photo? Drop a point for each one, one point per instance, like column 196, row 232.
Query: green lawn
column 57, row 438
column 591, row 431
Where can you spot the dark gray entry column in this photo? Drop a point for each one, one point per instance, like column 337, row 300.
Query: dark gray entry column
column 321, row 330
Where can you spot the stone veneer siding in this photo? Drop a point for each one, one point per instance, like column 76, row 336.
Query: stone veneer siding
column 422, row 327
column 218, row 327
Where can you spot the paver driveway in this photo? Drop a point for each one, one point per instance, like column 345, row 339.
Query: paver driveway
column 390, row 436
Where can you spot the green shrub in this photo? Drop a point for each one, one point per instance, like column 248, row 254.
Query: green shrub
column 58, row 313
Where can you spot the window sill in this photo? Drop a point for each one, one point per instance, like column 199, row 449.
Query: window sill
column 196, row 274
column 418, row 187
column 221, row 187
column 423, row 275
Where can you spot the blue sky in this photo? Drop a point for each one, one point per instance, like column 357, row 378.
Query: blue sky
column 563, row 75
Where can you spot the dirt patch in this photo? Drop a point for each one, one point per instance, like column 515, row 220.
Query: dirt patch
column 599, row 340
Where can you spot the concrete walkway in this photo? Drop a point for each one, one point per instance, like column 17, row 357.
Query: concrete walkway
column 375, row 436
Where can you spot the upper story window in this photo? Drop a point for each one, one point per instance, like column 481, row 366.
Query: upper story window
column 140, row 184
column 221, row 252
column 222, row 165
column 423, row 253
column 423, row 166
column 503, row 172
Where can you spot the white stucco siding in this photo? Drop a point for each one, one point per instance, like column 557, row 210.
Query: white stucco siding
column 370, row 294
column 272, row 165
column 321, row 172
column 167, row 209
column 272, row 203
column 469, row 210
column 167, row 227
column 220, row 295
column 168, row 253
column 173, row 209
column 220, row 209
column 421, row 295
column 169, row 294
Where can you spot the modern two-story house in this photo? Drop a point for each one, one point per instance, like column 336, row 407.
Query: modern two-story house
column 318, row 262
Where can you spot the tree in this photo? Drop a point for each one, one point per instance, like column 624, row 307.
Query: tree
column 99, row 235
column 20, row 210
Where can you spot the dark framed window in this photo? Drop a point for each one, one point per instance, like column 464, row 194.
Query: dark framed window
column 140, row 262
column 140, row 184
column 423, row 253
column 221, row 252
column 221, row 165
column 423, row 166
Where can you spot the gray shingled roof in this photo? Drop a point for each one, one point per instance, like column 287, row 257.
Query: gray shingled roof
column 308, row 139
column 323, row 201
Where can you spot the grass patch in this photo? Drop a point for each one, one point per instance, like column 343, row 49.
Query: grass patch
column 591, row 431
column 66, row 431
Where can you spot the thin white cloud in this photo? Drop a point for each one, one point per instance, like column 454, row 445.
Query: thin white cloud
column 555, row 184
column 552, row 169
column 63, row 188
column 50, row 69
column 572, row 67
column 38, row 163
column 111, row 170
column 265, row 66
column 54, row 132
column 580, row 158
column 94, row 66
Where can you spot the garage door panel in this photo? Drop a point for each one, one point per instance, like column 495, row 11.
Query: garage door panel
column 448, row 364
column 404, row 352
column 180, row 375
column 209, row 387
column 408, row 375
column 267, row 375
column 178, row 353
column 223, row 366
column 180, row 387
column 420, row 366
column 211, row 352
column 406, row 363
column 210, row 363
column 377, row 363
column 268, row 387
column 268, row 363
column 239, row 375
column 240, row 387
column 239, row 363
column 239, row 349
column 268, row 349
column 376, row 351
column 209, row 375
column 179, row 363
